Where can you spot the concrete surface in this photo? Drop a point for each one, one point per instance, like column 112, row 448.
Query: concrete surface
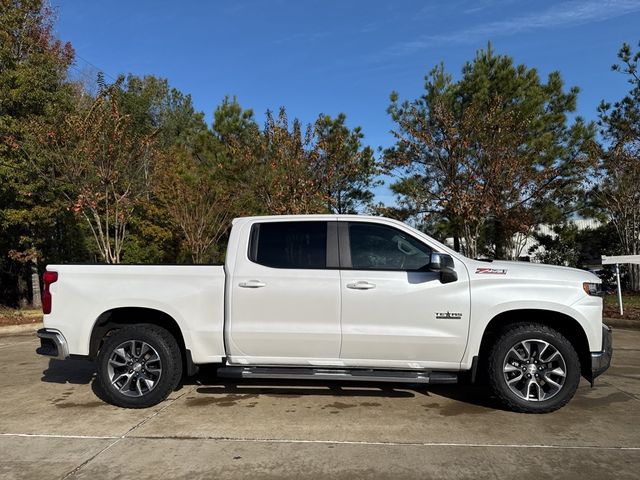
column 24, row 329
column 53, row 426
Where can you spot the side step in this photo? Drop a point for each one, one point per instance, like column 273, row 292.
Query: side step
column 359, row 375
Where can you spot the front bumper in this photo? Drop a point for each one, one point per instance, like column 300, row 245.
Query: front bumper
column 52, row 344
column 600, row 361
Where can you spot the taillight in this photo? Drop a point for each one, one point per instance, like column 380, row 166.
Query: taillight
column 47, row 278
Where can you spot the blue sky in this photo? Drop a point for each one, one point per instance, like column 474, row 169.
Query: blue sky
column 344, row 56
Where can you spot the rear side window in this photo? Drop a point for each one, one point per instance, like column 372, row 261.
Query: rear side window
column 289, row 244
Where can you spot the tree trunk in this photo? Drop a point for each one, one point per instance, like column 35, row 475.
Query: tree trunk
column 35, row 286
column 634, row 277
column 23, row 289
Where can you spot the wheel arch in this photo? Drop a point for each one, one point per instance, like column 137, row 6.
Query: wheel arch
column 116, row 318
column 568, row 326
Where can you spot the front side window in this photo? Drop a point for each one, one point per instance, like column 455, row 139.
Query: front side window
column 378, row 247
column 289, row 244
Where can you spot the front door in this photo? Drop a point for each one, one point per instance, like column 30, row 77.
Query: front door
column 285, row 298
column 395, row 313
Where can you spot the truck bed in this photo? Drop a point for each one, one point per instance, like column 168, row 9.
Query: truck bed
column 193, row 295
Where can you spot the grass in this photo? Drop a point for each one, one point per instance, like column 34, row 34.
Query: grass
column 630, row 302
column 20, row 316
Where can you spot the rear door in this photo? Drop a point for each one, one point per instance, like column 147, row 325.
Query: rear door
column 395, row 312
column 285, row 294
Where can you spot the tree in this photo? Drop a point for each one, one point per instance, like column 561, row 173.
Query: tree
column 345, row 167
column 103, row 167
column 280, row 160
column 567, row 245
column 155, row 108
column 289, row 169
column 232, row 124
column 203, row 186
column 492, row 153
column 617, row 176
column 33, row 86
column 235, row 141
column 199, row 201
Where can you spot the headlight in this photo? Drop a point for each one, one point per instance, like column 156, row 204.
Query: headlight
column 593, row 289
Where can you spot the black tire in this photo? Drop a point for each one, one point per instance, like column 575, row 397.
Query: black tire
column 528, row 371
column 163, row 344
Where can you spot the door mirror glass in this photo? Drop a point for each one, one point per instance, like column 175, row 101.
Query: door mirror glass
column 443, row 263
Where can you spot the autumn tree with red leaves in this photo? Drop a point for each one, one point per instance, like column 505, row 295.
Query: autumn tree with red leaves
column 279, row 162
column 199, row 200
column 104, row 167
column 319, row 168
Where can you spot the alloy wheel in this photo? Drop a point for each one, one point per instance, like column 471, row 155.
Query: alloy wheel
column 134, row 368
column 534, row 370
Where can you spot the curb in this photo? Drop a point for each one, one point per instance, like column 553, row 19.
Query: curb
column 622, row 323
column 26, row 329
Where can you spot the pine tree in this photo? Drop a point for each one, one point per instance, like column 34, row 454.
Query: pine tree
column 618, row 174
column 492, row 153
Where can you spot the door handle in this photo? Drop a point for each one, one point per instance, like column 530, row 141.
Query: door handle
column 252, row 284
column 361, row 285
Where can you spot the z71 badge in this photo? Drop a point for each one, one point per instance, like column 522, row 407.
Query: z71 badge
column 492, row 271
column 448, row 316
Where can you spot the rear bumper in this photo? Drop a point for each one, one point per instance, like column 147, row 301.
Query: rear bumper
column 600, row 361
column 52, row 344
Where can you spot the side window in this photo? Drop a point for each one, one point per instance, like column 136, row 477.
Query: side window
column 378, row 247
column 289, row 244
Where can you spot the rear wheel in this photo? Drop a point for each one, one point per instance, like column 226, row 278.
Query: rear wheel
column 138, row 366
column 533, row 368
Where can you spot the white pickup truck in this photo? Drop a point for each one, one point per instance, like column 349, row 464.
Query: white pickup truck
column 331, row 297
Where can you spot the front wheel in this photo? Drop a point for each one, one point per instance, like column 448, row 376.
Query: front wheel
column 533, row 368
column 138, row 366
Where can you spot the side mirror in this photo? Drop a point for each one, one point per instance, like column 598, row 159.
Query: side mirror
column 443, row 263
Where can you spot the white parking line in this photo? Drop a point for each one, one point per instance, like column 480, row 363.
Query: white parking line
column 327, row 442
column 46, row 435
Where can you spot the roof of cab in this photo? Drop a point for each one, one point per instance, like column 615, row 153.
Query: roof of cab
column 312, row 217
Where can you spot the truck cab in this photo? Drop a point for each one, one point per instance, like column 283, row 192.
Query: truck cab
column 346, row 292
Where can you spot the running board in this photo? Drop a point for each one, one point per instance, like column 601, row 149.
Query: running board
column 359, row 375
